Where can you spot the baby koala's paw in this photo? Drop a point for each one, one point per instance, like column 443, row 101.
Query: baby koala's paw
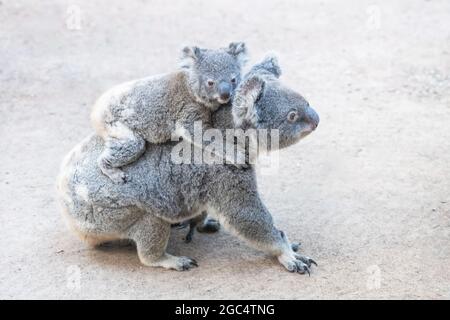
column 115, row 174
column 118, row 177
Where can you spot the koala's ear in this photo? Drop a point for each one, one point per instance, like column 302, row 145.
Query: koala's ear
column 239, row 50
column 269, row 66
column 244, row 109
column 189, row 55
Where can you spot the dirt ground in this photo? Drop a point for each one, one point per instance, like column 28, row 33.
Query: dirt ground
column 367, row 194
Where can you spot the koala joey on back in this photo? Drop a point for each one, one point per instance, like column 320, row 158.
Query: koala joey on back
column 154, row 108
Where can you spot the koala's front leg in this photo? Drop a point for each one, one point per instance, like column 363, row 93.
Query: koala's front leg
column 151, row 235
column 254, row 224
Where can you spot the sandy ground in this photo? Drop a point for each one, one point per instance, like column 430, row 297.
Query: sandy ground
column 368, row 194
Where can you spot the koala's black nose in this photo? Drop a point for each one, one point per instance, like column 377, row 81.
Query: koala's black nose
column 224, row 90
column 312, row 117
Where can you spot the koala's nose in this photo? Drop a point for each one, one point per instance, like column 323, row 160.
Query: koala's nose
column 224, row 90
column 312, row 117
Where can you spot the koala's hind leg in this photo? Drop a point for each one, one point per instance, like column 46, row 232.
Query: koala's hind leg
column 201, row 223
column 151, row 235
column 122, row 147
column 192, row 224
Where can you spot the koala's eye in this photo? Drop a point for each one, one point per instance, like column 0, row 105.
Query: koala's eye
column 292, row 116
column 233, row 80
column 210, row 83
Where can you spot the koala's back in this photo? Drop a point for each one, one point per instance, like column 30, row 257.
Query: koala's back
column 147, row 106
column 169, row 190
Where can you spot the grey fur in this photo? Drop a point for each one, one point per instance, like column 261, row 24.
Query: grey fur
column 151, row 109
column 161, row 192
column 269, row 67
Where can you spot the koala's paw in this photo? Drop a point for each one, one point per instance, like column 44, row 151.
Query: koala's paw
column 184, row 263
column 115, row 174
column 173, row 262
column 209, row 226
column 295, row 262
column 118, row 176
column 121, row 178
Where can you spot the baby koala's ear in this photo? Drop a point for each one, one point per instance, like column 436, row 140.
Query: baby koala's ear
column 269, row 66
column 189, row 55
column 244, row 109
column 239, row 50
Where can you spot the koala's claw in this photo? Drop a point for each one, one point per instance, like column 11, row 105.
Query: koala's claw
column 305, row 270
column 115, row 174
column 118, row 177
column 299, row 267
column 297, row 263
column 187, row 263
column 307, row 260
column 302, row 268
column 125, row 178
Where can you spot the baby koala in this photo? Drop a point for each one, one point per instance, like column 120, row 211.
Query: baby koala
column 154, row 108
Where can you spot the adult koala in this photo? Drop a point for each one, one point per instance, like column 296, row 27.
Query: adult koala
column 161, row 192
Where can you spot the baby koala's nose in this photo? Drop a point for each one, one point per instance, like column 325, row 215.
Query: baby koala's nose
column 224, row 91
column 225, row 96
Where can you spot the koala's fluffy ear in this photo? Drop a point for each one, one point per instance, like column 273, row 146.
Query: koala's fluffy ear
column 244, row 109
column 269, row 66
column 239, row 50
column 189, row 56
